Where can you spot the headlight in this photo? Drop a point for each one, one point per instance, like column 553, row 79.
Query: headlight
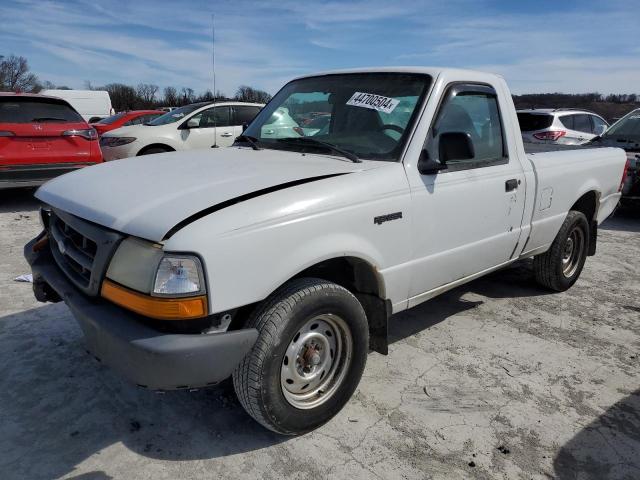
column 178, row 276
column 142, row 278
column 116, row 141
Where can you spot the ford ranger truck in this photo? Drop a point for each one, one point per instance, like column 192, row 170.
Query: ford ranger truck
column 279, row 261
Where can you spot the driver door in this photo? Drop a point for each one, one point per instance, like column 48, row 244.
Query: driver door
column 212, row 129
column 466, row 218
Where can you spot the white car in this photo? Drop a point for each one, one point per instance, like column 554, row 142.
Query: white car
column 280, row 261
column 562, row 126
column 281, row 125
column 199, row 125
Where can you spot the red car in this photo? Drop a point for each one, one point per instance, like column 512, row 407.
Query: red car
column 40, row 138
column 124, row 119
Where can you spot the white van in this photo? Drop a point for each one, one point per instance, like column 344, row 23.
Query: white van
column 93, row 105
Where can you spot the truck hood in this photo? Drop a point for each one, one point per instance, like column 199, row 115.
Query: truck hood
column 149, row 196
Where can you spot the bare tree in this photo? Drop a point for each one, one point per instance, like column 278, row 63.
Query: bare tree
column 186, row 95
column 207, row 96
column 170, row 96
column 123, row 97
column 15, row 75
column 250, row 94
column 2, row 74
column 147, row 93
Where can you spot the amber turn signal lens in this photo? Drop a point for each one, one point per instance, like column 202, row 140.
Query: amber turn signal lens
column 154, row 307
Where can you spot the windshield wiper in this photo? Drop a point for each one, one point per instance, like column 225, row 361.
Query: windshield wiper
column 250, row 140
column 48, row 119
column 319, row 143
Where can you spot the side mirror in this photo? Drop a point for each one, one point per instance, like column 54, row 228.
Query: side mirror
column 429, row 166
column 245, row 125
column 193, row 123
column 455, row 146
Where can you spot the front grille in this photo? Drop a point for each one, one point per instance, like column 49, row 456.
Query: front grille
column 77, row 251
column 81, row 249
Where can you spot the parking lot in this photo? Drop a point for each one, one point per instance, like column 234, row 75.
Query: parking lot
column 496, row 379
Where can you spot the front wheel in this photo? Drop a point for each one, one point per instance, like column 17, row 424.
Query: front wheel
column 309, row 357
column 560, row 266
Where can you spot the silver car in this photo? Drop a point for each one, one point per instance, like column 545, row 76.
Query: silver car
column 565, row 126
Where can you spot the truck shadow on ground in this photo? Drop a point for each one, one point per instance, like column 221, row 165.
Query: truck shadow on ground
column 18, row 200
column 514, row 281
column 623, row 220
column 606, row 448
column 59, row 407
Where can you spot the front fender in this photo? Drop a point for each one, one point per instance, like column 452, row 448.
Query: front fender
column 251, row 248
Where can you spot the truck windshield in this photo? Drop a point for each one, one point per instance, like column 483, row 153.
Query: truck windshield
column 369, row 115
column 175, row 115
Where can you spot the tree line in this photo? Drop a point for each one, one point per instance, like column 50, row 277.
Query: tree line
column 16, row 76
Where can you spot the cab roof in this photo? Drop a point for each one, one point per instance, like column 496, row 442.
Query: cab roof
column 432, row 71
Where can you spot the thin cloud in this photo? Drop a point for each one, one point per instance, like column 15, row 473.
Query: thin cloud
column 574, row 47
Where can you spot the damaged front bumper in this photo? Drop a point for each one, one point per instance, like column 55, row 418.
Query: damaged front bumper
column 120, row 338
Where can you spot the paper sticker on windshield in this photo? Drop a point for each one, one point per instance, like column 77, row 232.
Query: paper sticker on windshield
column 374, row 102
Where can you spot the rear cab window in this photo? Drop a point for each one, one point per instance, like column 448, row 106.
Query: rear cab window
column 16, row 109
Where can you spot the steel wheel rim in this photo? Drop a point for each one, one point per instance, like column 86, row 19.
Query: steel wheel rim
column 316, row 361
column 573, row 249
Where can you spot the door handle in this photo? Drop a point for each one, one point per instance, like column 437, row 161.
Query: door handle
column 226, row 134
column 511, row 185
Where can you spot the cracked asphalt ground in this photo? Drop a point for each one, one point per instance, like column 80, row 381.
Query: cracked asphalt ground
column 496, row 379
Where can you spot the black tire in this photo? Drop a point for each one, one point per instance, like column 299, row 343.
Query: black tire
column 151, row 151
column 280, row 318
column 552, row 269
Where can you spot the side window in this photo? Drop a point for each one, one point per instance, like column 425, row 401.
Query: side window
column 242, row 115
column 582, row 123
column 599, row 125
column 472, row 110
column 568, row 122
column 214, row 117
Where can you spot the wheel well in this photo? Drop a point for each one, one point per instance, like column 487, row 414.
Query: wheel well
column 156, row 145
column 587, row 205
column 354, row 274
column 357, row 276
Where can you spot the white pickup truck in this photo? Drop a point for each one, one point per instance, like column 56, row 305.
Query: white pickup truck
column 279, row 261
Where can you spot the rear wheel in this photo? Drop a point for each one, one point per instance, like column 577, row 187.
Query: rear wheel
column 309, row 357
column 560, row 266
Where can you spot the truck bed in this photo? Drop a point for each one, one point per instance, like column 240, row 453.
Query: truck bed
column 552, row 147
